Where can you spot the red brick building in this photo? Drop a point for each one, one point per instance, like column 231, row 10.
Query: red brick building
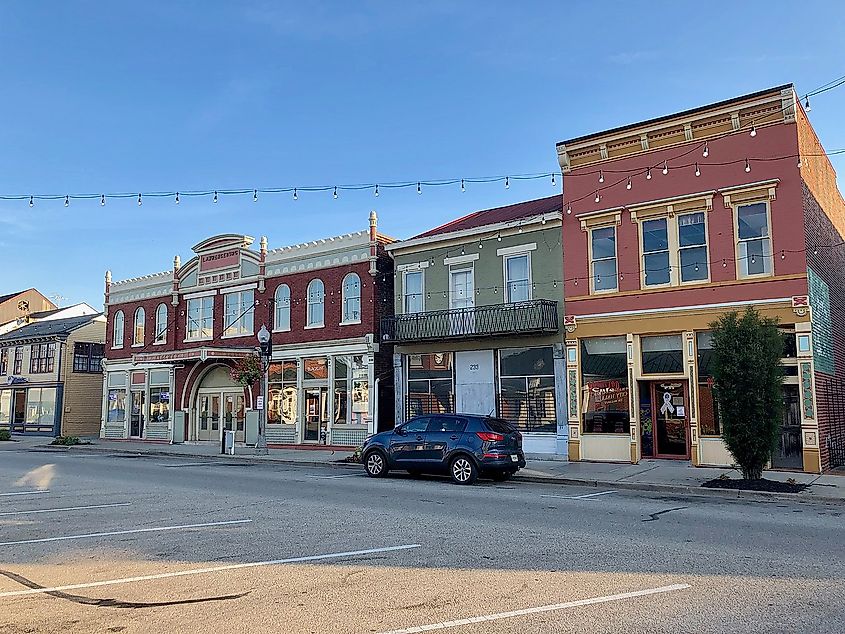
column 670, row 223
column 173, row 339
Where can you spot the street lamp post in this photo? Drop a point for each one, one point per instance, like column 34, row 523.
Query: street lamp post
column 266, row 351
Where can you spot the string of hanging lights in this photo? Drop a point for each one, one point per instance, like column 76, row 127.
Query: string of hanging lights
column 377, row 187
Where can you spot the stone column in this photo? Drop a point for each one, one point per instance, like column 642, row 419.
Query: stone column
column 398, row 388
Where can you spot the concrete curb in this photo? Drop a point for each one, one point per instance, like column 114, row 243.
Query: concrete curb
column 539, row 479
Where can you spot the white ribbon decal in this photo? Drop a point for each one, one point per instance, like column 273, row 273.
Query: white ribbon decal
column 667, row 404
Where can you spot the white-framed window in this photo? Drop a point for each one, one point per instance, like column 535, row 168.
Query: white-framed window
column 282, row 310
column 316, row 303
column 117, row 330
column 674, row 249
column 754, row 243
column 138, row 330
column 161, row 323
column 200, row 318
column 655, row 244
column 517, row 277
column 239, row 313
column 692, row 247
column 412, row 292
column 603, row 259
column 351, row 294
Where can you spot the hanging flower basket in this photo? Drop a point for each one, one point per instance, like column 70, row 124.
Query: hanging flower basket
column 247, row 370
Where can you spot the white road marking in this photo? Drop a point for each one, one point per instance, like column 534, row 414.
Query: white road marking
column 202, row 571
column 66, row 508
column 544, row 608
column 578, row 497
column 332, row 477
column 126, row 532
column 23, row 493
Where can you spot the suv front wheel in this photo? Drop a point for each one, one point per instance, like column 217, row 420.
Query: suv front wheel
column 462, row 469
column 375, row 464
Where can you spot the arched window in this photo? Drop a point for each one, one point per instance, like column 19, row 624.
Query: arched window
column 316, row 302
column 161, row 323
column 351, row 299
column 282, row 302
column 138, row 332
column 117, row 332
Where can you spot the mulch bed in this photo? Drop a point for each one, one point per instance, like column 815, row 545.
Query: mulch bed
column 772, row 486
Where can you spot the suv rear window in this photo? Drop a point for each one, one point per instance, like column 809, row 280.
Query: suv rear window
column 499, row 425
column 447, row 424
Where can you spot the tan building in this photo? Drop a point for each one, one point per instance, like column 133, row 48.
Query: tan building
column 51, row 378
column 19, row 305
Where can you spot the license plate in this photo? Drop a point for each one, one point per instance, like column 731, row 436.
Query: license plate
column 514, row 458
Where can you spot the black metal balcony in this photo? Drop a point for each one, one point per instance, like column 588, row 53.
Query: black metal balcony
column 537, row 316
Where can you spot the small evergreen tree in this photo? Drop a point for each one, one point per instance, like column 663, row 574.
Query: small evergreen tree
column 747, row 378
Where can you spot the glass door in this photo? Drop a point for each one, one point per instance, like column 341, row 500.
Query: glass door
column 670, row 419
column 316, row 412
column 136, row 416
column 790, row 451
column 208, row 417
column 19, row 412
column 233, row 414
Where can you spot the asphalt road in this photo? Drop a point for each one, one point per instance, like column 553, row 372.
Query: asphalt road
column 171, row 544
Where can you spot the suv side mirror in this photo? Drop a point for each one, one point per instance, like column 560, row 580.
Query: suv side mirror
column 400, row 431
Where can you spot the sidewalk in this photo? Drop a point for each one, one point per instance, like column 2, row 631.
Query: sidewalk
column 649, row 475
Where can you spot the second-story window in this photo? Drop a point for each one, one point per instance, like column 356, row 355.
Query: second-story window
column 117, row 330
column 692, row 247
column 603, row 259
column 87, row 357
column 412, row 290
column 656, row 267
column 161, row 323
column 351, row 298
column 240, row 310
column 316, row 303
column 518, row 278
column 18, row 366
column 200, row 318
column 754, row 246
column 138, row 331
column 282, row 302
column 41, row 358
column 4, row 361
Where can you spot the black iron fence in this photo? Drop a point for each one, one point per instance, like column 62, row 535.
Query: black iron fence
column 532, row 317
column 834, row 404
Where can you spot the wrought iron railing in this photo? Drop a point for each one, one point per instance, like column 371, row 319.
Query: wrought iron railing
column 520, row 318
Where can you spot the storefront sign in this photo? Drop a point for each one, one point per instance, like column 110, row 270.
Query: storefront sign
column 15, row 380
column 224, row 259
column 607, row 396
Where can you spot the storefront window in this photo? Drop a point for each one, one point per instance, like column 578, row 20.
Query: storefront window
column 117, row 406
column 316, row 369
column 662, row 354
column 41, row 405
column 431, row 384
column 341, row 391
column 604, row 392
column 5, row 408
column 159, row 404
column 708, row 414
column 527, row 388
column 283, row 393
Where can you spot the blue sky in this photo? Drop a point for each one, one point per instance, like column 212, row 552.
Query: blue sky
column 163, row 95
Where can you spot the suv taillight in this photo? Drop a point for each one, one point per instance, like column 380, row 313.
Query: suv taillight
column 489, row 436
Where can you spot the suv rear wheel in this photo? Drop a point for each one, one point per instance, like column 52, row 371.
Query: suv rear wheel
column 463, row 470
column 375, row 463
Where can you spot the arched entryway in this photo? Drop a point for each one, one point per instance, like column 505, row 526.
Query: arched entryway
column 219, row 403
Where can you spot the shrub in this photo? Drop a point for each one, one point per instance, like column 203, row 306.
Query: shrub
column 5, row 434
column 67, row 441
column 747, row 378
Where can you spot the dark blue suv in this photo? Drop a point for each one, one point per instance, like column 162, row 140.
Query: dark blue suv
column 465, row 446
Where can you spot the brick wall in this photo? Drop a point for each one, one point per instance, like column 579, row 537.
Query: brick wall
column 372, row 291
column 828, row 264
